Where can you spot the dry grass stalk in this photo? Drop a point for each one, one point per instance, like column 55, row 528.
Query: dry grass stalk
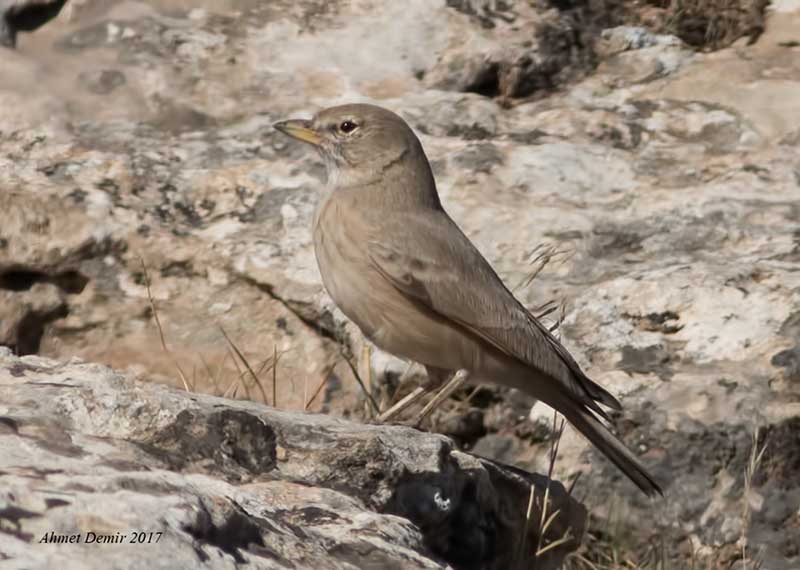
column 275, row 375
column 366, row 367
column 562, row 314
column 526, row 527
column 540, row 257
column 158, row 325
column 318, row 389
column 209, row 373
column 233, row 388
column 236, row 355
column 239, row 381
column 713, row 23
column 545, row 521
column 372, row 403
column 756, row 455
column 249, row 368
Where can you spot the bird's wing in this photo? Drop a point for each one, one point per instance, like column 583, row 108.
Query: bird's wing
column 441, row 269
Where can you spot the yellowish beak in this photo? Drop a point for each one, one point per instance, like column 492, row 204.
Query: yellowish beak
column 300, row 130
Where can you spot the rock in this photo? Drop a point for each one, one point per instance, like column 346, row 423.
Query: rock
column 39, row 272
column 637, row 55
column 540, row 49
column 623, row 38
column 25, row 16
column 501, row 447
column 191, row 481
column 102, row 82
column 24, row 316
column 789, row 360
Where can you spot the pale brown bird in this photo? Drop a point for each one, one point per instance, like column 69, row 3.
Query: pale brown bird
column 398, row 266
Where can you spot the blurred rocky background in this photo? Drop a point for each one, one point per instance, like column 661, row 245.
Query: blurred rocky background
column 654, row 145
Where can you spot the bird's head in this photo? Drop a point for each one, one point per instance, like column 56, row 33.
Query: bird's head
column 360, row 143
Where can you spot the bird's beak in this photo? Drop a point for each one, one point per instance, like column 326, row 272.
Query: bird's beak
column 299, row 129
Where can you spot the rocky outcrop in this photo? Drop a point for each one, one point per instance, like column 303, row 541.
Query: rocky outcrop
column 181, row 480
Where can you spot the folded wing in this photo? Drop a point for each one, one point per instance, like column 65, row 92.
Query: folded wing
column 450, row 277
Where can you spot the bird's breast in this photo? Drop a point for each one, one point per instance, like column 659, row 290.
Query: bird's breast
column 385, row 316
column 340, row 245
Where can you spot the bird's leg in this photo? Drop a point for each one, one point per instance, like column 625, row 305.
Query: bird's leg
column 392, row 412
column 452, row 385
column 365, row 364
column 436, row 377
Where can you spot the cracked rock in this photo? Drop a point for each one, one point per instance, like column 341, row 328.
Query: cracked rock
column 211, row 483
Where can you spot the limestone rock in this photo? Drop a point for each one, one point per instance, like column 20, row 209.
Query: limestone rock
column 182, row 480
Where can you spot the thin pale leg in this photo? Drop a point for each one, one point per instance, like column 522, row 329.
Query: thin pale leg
column 436, row 377
column 452, row 385
column 365, row 366
column 395, row 410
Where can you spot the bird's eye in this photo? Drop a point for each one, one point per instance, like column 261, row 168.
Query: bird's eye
column 348, row 127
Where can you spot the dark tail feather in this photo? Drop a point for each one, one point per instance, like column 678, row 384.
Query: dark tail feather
column 600, row 394
column 602, row 438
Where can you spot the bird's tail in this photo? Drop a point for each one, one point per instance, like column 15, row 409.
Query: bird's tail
column 593, row 429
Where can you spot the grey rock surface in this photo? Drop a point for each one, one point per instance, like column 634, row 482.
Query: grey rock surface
column 180, row 480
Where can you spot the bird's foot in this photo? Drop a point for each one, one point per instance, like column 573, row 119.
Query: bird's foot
column 404, row 403
column 452, row 385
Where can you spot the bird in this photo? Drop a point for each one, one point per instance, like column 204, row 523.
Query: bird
column 399, row 267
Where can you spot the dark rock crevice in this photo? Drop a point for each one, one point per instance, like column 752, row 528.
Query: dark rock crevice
column 34, row 298
column 461, row 528
column 10, row 521
column 22, row 279
column 30, row 329
column 235, row 532
column 453, row 526
column 320, row 322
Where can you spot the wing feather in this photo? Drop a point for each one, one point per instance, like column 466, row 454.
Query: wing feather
column 448, row 275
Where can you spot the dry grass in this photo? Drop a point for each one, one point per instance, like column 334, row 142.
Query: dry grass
column 756, row 455
column 546, row 517
column 249, row 380
column 540, row 257
column 615, row 543
column 373, row 405
column 247, row 377
column 611, row 545
column 256, row 379
column 711, row 24
column 161, row 336
column 317, row 391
